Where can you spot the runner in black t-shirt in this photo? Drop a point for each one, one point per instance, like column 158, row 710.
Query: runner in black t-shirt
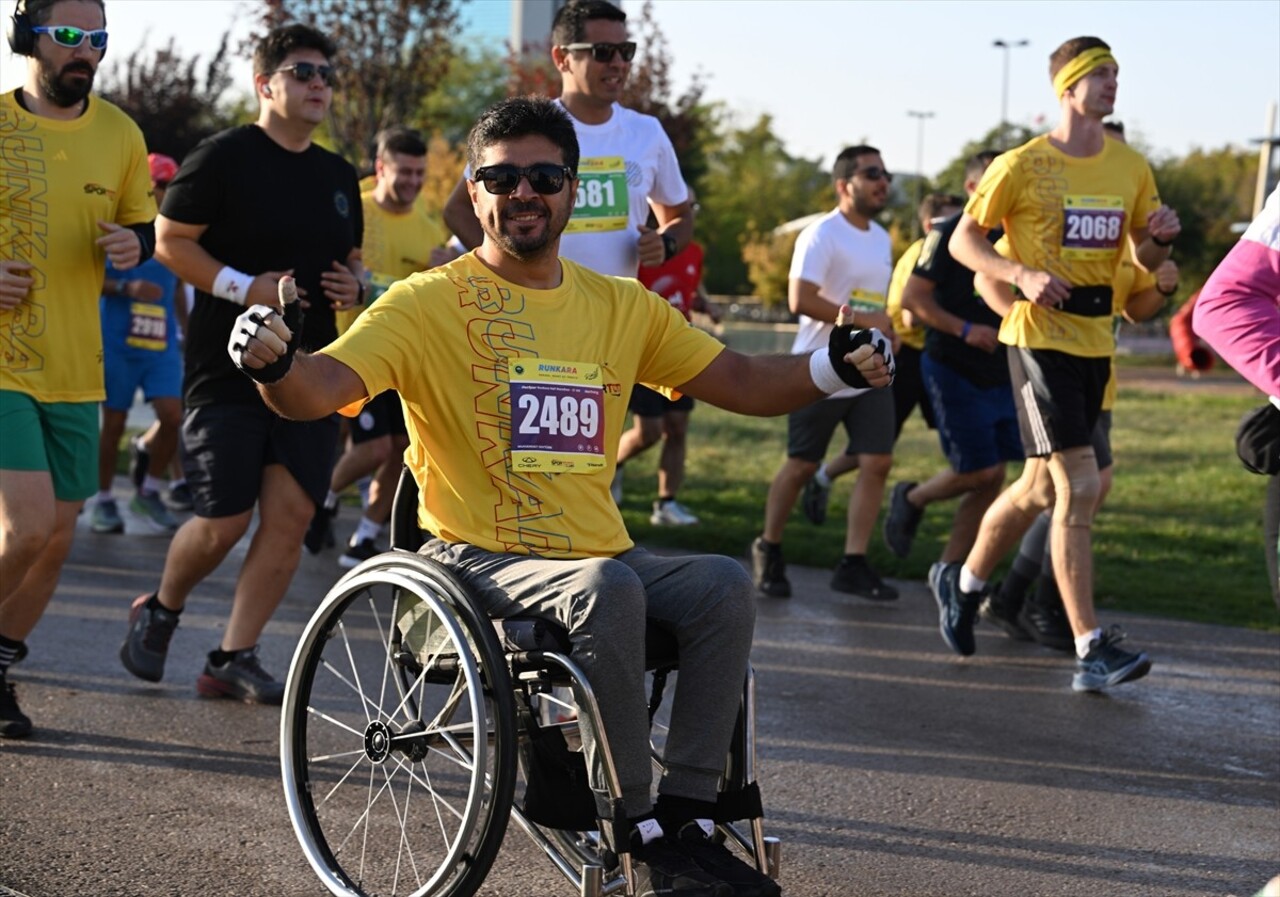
column 248, row 206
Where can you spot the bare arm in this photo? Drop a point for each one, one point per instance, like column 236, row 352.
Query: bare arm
column 1162, row 225
column 314, row 387
column 766, row 385
column 460, row 217
column 969, row 246
column 1144, row 305
column 918, row 298
column 178, row 249
column 673, row 221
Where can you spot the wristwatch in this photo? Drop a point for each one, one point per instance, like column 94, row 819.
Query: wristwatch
column 668, row 246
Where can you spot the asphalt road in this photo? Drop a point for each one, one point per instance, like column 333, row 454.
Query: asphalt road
column 889, row 766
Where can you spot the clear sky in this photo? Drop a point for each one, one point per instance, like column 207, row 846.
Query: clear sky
column 834, row 72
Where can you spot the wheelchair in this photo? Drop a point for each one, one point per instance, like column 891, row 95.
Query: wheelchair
column 414, row 728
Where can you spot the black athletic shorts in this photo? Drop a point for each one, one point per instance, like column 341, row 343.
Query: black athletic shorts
column 648, row 403
column 908, row 390
column 226, row 448
column 1059, row 398
column 380, row 416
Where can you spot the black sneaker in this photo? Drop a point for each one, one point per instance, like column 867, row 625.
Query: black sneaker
column 180, row 497
column 1106, row 665
column 1044, row 618
column 662, row 869
column 320, row 533
column 956, row 610
column 242, row 678
column 857, row 578
column 139, row 462
column 13, row 722
column 147, row 643
column 716, row 860
column 358, row 553
column 813, row 501
column 902, row 521
column 1000, row 612
column 769, row 569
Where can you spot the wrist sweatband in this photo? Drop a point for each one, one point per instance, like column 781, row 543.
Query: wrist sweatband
column 823, row 373
column 232, row 285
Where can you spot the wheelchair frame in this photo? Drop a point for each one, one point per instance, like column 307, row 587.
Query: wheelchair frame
column 401, row 690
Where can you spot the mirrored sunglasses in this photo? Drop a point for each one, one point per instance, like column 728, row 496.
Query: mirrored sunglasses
column 68, row 36
column 305, row 71
column 603, row 52
column 544, row 178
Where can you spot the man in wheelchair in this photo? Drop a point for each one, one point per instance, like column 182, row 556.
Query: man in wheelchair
column 515, row 367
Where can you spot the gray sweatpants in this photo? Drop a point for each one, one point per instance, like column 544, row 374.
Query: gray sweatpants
column 706, row 600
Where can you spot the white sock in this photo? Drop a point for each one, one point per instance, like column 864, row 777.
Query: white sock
column 969, row 582
column 152, row 484
column 649, row 830
column 1083, row 642
column 366, row 529
column 331, row 500
column 822, row 479
column 707, row 826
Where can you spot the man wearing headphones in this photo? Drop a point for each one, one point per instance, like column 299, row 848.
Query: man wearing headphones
column 78, row 193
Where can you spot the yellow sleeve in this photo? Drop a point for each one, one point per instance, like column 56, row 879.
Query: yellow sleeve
column 994, row 198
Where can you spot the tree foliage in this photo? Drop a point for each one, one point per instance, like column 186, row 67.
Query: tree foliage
column 176, row 101
column 392, row 54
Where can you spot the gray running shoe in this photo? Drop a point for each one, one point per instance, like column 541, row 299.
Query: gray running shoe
column 1106, row 665
column 813, row 501
column 106, row 517
column 241, row 678
column 150, row 506
column 769, row 569
column 671, row 513
column 146, row 645
column 902, row 521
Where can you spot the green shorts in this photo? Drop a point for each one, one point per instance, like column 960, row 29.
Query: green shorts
column 60, row 437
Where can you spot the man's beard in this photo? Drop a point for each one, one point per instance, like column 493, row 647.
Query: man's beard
column 531, row 247
column 63, row 91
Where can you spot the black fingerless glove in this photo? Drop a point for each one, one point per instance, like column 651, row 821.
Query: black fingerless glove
column 844, row 339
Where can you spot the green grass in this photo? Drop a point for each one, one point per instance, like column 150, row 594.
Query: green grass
column 1180, row 535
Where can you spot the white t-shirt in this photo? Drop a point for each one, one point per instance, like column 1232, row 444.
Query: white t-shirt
column 623, row 163
column 849, row 265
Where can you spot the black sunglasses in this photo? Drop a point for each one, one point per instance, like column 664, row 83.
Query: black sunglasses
column 603, row 52
column 305, row 71
column 543, row 177
column 874, row 174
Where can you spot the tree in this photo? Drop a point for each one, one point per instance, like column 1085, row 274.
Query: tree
column 392, row 54
column 752, row 185
column 951, row 178
column 474, row 80
column 176, row 102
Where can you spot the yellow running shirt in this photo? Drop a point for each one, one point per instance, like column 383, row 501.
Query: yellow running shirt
column 1129, row 280
column 1072, row 218
column 58, row 179
column 910, row 336
column 515, row 398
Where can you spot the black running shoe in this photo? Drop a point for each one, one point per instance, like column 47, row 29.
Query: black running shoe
column 902, row 521
column 956, row 610
column 320, row 533
column 813, row 501
column 998, row 612
column 180, row 497
column 1106, row 665
column 146, row 645
column 662, row 869
column 139, row 462
column 716, row 860
column 857, row 578
column 1044, row 617
column 13, row 722
column 241, row 678
column 358, row 553
column 769, row 569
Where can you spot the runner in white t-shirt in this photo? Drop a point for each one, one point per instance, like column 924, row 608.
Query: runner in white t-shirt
column 843, row 258
column 628, row 167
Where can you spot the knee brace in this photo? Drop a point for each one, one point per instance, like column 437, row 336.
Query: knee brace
column 1077, row 486
column 1032, row 492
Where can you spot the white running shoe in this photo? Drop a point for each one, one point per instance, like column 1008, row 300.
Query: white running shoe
column 671, row 513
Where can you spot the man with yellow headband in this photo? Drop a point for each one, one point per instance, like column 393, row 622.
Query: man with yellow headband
column 1068, row 201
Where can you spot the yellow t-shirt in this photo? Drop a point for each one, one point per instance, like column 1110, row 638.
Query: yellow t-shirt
column 1072, row 218
column 395, row 246
column 504, row 386
column 58, row 179
column 1129, row 280
column 911, row 336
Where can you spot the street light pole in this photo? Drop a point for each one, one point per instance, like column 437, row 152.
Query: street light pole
column 1004, row 91
column 920, row 118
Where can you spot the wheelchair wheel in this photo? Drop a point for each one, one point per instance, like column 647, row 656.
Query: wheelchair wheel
column 398, row 736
